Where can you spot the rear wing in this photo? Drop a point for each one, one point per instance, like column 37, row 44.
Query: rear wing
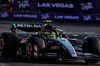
column 27, row 27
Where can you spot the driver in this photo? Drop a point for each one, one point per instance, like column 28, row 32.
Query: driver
column 50, row 35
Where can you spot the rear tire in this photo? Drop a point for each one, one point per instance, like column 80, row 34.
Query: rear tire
column 91, row 45
column 8, row 44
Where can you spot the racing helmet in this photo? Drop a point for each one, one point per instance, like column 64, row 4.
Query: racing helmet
column 50, row 35
column 47, row 26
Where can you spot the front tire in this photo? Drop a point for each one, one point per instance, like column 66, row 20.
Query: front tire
column 29, row 49
column 91, row 45
column 33, row 47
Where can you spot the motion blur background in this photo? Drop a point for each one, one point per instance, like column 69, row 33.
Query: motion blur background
column 80, row 11
column 6, row 5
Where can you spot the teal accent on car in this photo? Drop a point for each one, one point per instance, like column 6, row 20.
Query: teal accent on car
column 40, row 54
column 14, row 25
column 52, row 39
column 55, row 39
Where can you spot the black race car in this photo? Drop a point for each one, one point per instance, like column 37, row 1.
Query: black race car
column 48, row 42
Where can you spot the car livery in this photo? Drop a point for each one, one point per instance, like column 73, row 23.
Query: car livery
column 39, row 45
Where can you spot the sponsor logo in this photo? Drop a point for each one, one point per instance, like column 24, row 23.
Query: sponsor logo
column 56, row 5
column 29, row 25
column 23, row 4
column 25, row 15
column 4, row 15
column 51, row 54
column 66, row 17
column 37, row 25
column 87, row 18
column 24, row 25
column 45, row 16
column 87, row 6
column 97, row 18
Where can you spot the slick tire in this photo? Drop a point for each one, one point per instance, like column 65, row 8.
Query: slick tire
column 39, row 41
column 33, row 47
column 29, row 49
column 8, row 44
column 91, row 45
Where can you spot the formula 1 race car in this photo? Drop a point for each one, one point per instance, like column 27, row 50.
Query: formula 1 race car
column 48, row 42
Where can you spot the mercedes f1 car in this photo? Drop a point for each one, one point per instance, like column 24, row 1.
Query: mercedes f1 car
column 48, row 42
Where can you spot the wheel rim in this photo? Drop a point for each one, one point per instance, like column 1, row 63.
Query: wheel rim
column 29, row 50
column 1, row 44
column 35, row 50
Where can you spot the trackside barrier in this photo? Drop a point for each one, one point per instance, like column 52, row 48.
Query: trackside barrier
column 58, row 6
column 62, row 17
